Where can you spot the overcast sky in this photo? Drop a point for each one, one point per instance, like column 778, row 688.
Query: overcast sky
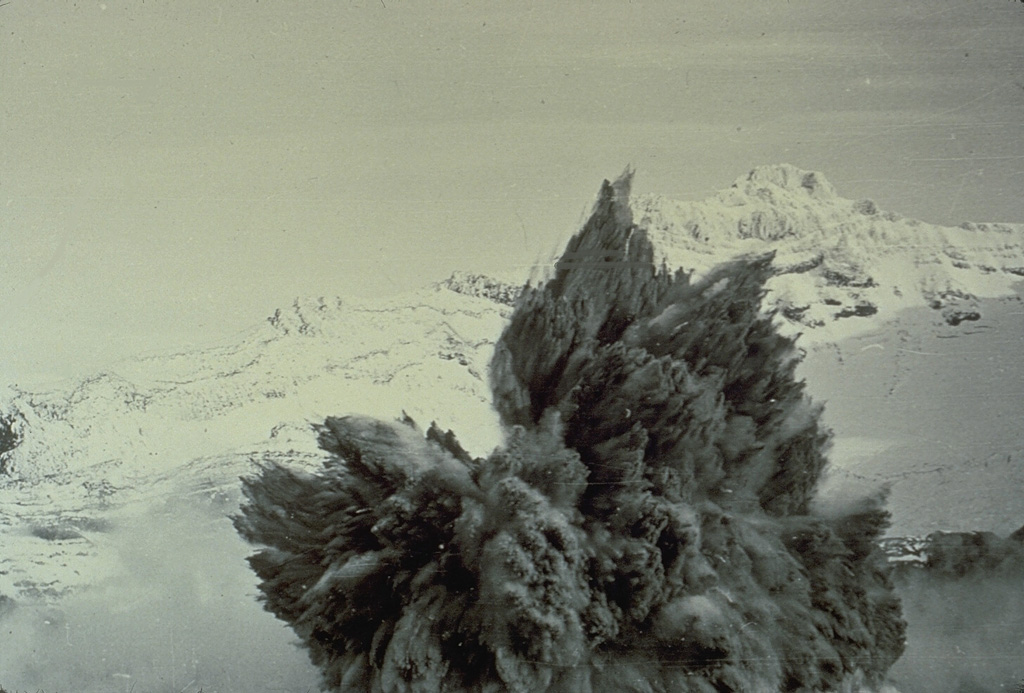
column 172, row 172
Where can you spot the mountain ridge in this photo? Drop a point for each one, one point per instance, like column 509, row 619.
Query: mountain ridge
column 836, row 258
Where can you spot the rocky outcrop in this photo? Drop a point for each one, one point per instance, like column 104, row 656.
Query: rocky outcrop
column 482, row 286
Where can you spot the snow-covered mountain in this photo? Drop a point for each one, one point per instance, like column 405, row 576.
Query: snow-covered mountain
column 910, row 331
column 838, row 260
column 426, row 352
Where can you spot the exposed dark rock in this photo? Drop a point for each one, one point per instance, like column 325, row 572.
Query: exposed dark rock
column 955, row 317
column 838, row 278
column 861, row 310
column 482, row 286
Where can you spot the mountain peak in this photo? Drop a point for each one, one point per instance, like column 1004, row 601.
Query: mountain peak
column 841, row 266
column 615, row 196
column 787, row 177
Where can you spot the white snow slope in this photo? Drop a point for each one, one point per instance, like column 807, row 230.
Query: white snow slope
column 910, row 331
column 837, row 259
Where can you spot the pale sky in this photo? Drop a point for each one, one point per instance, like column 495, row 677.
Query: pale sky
column 173, row 171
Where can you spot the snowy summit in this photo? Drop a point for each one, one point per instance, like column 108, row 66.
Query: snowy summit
column 837, row 260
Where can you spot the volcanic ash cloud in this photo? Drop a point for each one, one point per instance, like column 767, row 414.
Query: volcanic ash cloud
column 645, row 526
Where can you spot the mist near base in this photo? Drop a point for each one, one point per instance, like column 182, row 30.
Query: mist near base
column 646, row 525
column 178, row 615
column 965, row 604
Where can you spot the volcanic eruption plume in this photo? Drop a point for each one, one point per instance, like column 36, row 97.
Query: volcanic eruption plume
column 644, row 527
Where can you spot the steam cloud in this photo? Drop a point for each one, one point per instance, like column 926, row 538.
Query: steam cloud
column 645, row 526
column 167, row 619
column 967, row 614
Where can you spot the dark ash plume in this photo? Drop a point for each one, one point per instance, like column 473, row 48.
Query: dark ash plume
column 644, row 527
